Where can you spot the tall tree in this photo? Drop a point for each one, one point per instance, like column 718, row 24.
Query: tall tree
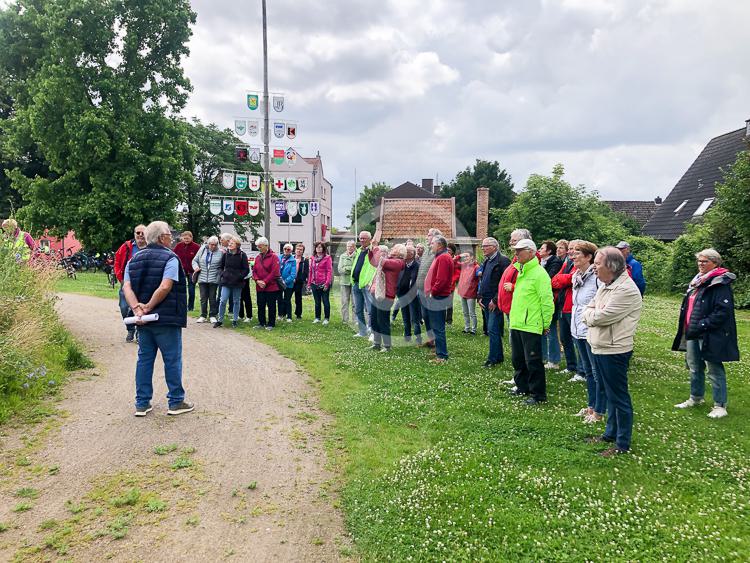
column 464, row 189
column 96, row 87
column 211, row 151
column 368, row 206
column 551, row 208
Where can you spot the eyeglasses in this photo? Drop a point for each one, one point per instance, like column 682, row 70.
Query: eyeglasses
column 140, row 233
column 704, row 261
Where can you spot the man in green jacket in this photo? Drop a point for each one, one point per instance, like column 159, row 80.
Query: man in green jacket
column 530, row 317
column 346, row 261
column 362, row 274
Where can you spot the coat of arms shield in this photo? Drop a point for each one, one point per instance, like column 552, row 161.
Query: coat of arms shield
column 227, row 180
column 215, row 206
column 314, row 208
column 253, row 207
column 304, row 208
column 240, row 126
column 240, row 181
column 228, row 207
column 278, row 103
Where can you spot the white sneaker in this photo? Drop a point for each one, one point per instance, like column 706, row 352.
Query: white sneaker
column 316, row 321
column 246, row 320
column 325, row 321
column 357, row 335
column 576, row 378
column 550, row 365
column 213, row 320
column 509, row 382
column 583, row 412
column 200, row 320
column 371, row 338
column 689, row 403
column 288, row 320
column 718, row 412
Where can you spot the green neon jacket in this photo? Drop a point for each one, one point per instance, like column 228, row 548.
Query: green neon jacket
column 532, row 307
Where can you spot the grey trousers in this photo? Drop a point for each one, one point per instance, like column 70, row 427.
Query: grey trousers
column 346, row 303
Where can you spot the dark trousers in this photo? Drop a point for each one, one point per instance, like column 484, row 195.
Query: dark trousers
column 287, row 298
column 324, row 296
column 209, row 306
column 449, row 314
column 526, row 354
column 485, row 326
column 425, row 313
column 380, row 318
column 267, row 300
column 299, row 288
column 495, row 322
column 411, row 313
column 571, row 363
column 246, row 301
column 191, row 291
column 612, row 370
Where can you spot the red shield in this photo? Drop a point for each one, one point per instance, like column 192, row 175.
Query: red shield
column 240, row 207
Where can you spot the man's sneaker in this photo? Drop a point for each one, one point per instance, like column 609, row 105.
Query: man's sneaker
column 550, row 365
column 718, row 412
column 576, row 378
column 358, row 335
column 212, row 320
column 217, row 324
column 200, row 320
column 583, row 412
column 130, row 337
column 385, row 349
column 181, row 408
column 269, row 328
column 289, row 319
column 509, row 382
column 247, row 319
column 689, row 403
column 316, row 321
column 371, row 338
column 259, row 326
column 142, row 411
column 325, row 321
column 234, row 324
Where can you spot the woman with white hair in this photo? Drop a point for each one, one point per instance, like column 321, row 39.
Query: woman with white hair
column 707, row 331
column 207, row 263
column 265, row 273
column 234, row 268
column 383, row 289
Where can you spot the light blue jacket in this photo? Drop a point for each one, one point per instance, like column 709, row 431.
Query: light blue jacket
column 584, row 289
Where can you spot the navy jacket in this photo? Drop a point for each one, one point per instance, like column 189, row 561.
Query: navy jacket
column 492, row 271
column 146, row 271
column 407, row 279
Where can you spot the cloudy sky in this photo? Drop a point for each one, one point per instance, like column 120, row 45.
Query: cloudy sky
column 624, row 93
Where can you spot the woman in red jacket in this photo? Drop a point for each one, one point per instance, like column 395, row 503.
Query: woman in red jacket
column 391, row 265
column 562, row 285
column 265, row 273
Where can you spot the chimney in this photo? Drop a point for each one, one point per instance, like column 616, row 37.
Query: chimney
column 747, row 130
column 428, row 185
column 657, row 200
column 483, row 211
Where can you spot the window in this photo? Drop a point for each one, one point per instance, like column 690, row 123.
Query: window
column 679, row 207
column 703, row 207
column 296, row 220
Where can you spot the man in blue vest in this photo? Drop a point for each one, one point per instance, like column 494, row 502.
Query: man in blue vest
column 493, row 267
column 155, row 284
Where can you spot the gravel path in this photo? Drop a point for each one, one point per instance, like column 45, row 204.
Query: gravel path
column 256, row 420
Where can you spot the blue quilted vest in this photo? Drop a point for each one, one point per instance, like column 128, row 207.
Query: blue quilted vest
column 146, row 273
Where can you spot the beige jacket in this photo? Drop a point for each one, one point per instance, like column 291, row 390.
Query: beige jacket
column 612, row 316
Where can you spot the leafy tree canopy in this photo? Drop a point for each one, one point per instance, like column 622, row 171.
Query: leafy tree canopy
column 95, row 86
column 464, row 189
column 368, row 206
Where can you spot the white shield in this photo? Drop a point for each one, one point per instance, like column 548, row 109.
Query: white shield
column 252, row 128
column 215, row 206
column 228, row 207
column 302, row 184
column 280, row 185
column 253, row 207
column 314, row 208
column 291, row 208
column 227, row 180
column 254, row 183
column 240, row 126
column 279, row 129
column 291, row 156
column 255, row 155
column 291, row 130
column 278, row 103
column 291, row 184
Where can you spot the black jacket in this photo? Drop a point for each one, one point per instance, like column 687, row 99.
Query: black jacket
column 407, row 279
column 303, row 272
column 234, row 268
column 712, row 321
column 553, row 266
column 492, row 271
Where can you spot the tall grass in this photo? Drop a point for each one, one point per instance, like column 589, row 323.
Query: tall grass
column 35, row 350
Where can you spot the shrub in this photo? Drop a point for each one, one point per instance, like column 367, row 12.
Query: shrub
column 656, row 258
column 695, row 239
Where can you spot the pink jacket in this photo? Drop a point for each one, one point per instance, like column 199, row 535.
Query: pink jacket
column 321, row 273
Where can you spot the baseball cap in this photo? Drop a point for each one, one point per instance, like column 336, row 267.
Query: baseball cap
column 622, row 244
column 525, row 243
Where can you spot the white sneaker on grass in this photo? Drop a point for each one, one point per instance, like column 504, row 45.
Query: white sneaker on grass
column 509, row 382
column 247, row 320
column 212, row 320
column 583, row 412
column 576, row 378
column 289, row 320
column 325, row 321
column 718, row 412
column 316, row 321
column 689, row 403
column 550, row 365
column 200, row 320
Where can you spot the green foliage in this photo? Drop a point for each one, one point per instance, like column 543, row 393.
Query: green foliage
column 696, row 238
column 464, row 189
column 127, row 499
column 368, row 206
column 656, row 258
column 551, row 208
column 94, row 86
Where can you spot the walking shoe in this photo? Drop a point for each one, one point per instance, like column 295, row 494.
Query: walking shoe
column 289, row 319
column 142, row 411
column 385, row 349
column 534, row 401
column 517, row 392
column 269, row 328
column 259, row 326
column 550, row 365
column 583, row 412
column 466, row 331
column 181, row 408
column 576, row 378
column 473, row 332
column 718, row 412
column 592, row 418
column 200, row 320
column 509, row 382
column 375, row 347
column 613, row 452
column 371, row 338
column 316, row 321
column 217, row 324
column 130, row 337
column 234, row 324
column 212, row 320
column 598, row 440
column 247, row 319
column 325, row 322
column 689, row 403
column 358, row 335
column 439, row 361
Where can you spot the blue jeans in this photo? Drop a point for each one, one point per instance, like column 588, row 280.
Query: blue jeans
column 613, row 372
column 551, row 345
column 436, row 307
column 716, row 374
column 360, row 306
column 597, row 398
column 495, row 331
column 568, row 346
column 227, row 293
column 411, row 314
column 191, row 292
column 380, row 317
column 125, row 310
column 168, row 340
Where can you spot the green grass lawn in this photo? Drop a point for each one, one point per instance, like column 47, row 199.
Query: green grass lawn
column 440, row 463
column 87, row 283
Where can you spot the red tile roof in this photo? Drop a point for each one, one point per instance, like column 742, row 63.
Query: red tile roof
column 410, row 218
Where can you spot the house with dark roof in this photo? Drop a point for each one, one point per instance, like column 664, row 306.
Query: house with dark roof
column 696, row 190
column 639, row 211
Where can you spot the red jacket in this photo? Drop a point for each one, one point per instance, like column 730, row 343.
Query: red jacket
column 562, row 283
column 186, row 253
column 267, row 269
column 391, row 268
column 439, row 281
column 505, row 298
column 122, row 257
column 468, row 283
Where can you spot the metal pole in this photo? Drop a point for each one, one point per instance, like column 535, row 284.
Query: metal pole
column 356, row 227
column 266, row 158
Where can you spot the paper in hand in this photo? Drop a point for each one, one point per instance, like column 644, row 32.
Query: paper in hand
column 145, row 318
